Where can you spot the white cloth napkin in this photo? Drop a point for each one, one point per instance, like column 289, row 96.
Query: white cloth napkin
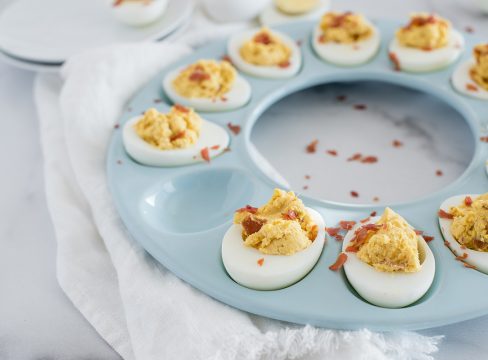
column 135, row 304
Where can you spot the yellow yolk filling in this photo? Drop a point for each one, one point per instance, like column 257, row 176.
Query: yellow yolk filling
column 344, row 28
column 178, row 129
column 295, row 7
column 424, row 31
column 265, row 49
column 470, row 224
column 479, row 72
column 393, row 247
column 280, row 227
column 205, row 79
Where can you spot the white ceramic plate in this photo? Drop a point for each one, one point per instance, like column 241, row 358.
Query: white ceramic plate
column 50, row 31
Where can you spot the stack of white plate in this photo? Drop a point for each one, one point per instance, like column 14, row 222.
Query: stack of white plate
column 40, row 35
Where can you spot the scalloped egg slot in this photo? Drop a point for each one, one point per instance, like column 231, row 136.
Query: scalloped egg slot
column 265, row 53
column 275, row 245
column 287, row 11
column 427, row 43
column 207, row 85
column 179, row 137
column 463, row 220
column 471, row 77
column 388, row 264
column 346, row 39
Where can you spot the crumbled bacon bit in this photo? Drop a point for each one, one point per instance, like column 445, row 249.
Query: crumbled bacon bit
column 157, row 101
column 365, row 220
column 236, row 129
column 355, row 157
column 199, row 75
column 332, row 152
column 346, row 225
column 369, row 160
column 418, row 232
column 397, row 143
column 447, row 243
column 248, row 208
column 469, row 29
column 468, row 201
column 445, row 215
column 205, row 154
column 464, row 256
column 305, row 187
column 321, row 38
column 262, row 38
column 394, row 59
column 341, row 98
column 360, row 236
column 428, row 238
column 463, row 247
column 341, row 259
column 227, row 58
column 177, row 136
column 469, row 266
column 312, row 147
column 227, row 149
column 307, row 177
column 376, row 199
column 118, row 2
column 360, row 107
column 354, row 194
column 119, row 162
column 260, row 262
column 471, row 87
column 339, row 237
column 373, row 214
column 181, row 108
column 284, row 64
column 439, row 173
column 290, row 215
column 484, row 139
column 332, row 231
column 252, row 225
column 223, row 98
column 215, row 147
column 299, row 42
column 116, row 126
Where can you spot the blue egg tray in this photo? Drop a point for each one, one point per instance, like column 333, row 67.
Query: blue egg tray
column 179, row 215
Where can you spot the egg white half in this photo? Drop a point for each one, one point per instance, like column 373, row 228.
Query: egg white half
column 347, row 54
column 417, row 60
column 138, row 13
column 272, row 16
column 210, row 135
column 272, row 72
column 460, row 78
column 238, row 96
column 277, row 271
column 476, row 258
column 390, row 290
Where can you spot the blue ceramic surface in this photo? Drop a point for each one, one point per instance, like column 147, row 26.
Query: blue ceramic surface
column 179, row 215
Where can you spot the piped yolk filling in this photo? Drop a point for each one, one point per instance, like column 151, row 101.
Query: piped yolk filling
column 425, row 31
column 344, row 28
column 280, row 227
column 266, row 49
column 479, row 72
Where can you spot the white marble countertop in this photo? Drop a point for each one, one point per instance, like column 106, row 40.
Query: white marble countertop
column 38, row 322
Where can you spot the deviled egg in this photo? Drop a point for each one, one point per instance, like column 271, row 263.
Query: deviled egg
column 265, row 53
column 346, row 39
column 463, row 221
column 427, row 43
column 207, row 85
column 273, row 246
column 138, row 12
column 176, row 138
column 388, row 264
column 471, row 77
column 286, row 11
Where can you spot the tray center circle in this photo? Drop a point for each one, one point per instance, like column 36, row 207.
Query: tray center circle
column 420, row 143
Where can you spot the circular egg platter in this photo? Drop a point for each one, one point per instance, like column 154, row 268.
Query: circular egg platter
column 181, row 214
